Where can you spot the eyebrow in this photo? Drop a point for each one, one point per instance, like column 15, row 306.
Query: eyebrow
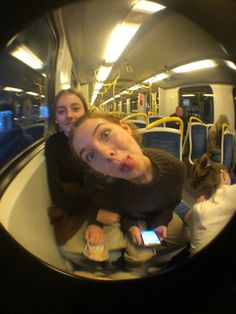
column 94, row 131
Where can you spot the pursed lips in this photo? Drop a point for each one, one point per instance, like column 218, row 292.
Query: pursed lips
column 127, row 164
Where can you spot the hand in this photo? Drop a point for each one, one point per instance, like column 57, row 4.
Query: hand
column 94, row 235
column 201, row 198
column 106, row 217
column 161, row 232
column 136, row 235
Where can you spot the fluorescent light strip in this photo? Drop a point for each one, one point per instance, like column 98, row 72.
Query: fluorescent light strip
column 194, row 66
column 135, row 87
column 93, row 98
column 97, row 86
column 148, row 7
column 23, row 54
column 120, row 38
column 12, row 89
column 32, row 93
column 230, row 64
column 103, row 73
column 156, row 78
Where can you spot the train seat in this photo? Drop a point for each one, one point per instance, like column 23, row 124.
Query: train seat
column 227, row 142
column 155, row 118
column 197, row 140
column 168, row 139
column 139, row 119
column 23, row 213
column 138, row 123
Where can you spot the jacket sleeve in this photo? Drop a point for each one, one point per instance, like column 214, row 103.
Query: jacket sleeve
column 162, row 217
column 69, row 196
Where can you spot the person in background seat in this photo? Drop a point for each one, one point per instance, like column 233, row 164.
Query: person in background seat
column 179, row 112
column 215, row 206
column 214, row 138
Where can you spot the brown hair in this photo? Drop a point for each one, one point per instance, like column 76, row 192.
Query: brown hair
column 206, row 176
column 63, row 92
column 106, row 116
column 222, row 119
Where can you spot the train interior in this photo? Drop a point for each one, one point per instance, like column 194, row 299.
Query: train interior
column 70, row 44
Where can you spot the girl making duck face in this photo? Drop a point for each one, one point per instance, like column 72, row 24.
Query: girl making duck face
column 139, row 184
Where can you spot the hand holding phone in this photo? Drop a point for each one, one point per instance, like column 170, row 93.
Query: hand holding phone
column 150, row 238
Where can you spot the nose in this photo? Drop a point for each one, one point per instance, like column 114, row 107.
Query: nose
column 106, row 151
column 69, row 113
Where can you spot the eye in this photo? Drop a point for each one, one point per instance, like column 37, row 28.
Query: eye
column 76, row 108
column 105, row 135
column 61, row 111
column 89, row 157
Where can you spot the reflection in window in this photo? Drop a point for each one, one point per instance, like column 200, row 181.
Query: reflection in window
column 24, row 114
column 198, row 101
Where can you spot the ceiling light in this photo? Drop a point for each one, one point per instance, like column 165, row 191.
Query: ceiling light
column 198, row 65
column 103, row 73
column 231, row 64
column 23, row 54
column 156, row 78
column 188, row 95
column 93, row 98
column 98, row 86
column 120, row 38
column 32, row 93
column 148, row 7
column 12, row 89
column 135, row 87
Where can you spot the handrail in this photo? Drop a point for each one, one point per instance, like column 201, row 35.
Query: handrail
column 167, row 119
column 133, row 115
column 195, row 118
column 225, row 126
column 152, row 113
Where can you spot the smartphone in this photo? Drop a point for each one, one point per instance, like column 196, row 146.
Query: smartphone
column 150, row 238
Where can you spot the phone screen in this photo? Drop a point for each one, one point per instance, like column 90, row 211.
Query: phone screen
column 150, row 237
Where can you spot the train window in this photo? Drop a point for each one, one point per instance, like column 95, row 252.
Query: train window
column 198, row 101
column 24, row 89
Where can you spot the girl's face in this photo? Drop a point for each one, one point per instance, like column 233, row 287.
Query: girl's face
column 110, row 149
column 68, row 109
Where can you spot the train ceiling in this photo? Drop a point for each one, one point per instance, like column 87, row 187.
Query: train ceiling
column 184, row 32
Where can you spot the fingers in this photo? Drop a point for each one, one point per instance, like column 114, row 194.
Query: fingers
column 94, row 235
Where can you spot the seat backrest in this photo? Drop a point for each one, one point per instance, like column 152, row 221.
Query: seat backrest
column 227, row 142
column 155, row 118
column 197, row 136
column 167, row 139
column 138, row 123
column 138, row 116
